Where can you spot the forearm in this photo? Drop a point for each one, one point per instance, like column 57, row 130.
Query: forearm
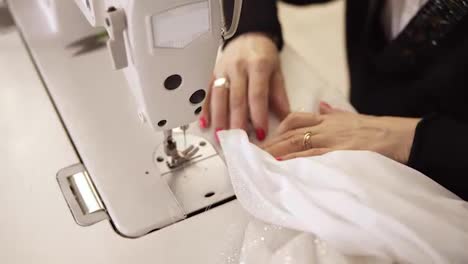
column 440, row 151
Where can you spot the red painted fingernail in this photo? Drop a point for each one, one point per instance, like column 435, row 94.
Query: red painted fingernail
column 279, row 159
column 216, row 133
column 326, row 105
column 202, row 122
column 260, row 134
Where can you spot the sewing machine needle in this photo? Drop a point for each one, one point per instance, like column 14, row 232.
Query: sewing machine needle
column 184, row 129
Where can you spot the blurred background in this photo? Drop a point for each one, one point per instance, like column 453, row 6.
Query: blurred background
column 317, row 33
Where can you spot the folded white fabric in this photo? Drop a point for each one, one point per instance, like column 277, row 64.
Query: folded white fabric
column 359, row 203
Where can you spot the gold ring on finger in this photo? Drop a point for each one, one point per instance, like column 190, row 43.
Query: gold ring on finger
column 306, row 142
column 222, row 82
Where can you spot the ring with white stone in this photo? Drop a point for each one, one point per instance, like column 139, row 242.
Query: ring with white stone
column 221, row 83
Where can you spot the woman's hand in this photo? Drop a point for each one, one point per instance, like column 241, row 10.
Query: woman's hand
column 338, row 130
column 252, row 66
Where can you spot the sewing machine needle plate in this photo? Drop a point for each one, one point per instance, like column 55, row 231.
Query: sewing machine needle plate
column 199, row 183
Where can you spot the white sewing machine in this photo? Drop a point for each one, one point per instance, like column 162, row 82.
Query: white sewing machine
column 112, row 132
column 167, row 50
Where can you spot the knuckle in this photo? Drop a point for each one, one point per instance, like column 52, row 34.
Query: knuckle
column 291, row 119
column 237, row 102
column 261, row 64
column 259, row 93
column 294, row 140
column 289, row 134
column 285, row 136
column 316, row 119
column 239, row 64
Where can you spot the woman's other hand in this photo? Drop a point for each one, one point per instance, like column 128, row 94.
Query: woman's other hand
column 252, row 66
column 339, row 130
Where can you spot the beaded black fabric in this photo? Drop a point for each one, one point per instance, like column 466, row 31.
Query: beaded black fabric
column 426, row 31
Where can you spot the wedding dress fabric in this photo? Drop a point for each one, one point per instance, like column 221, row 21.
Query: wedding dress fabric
column 342, row 207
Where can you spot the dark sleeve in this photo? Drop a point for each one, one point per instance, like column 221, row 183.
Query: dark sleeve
column 304, row 2
column 261, row 16
column 440, row 150
column 257, row 16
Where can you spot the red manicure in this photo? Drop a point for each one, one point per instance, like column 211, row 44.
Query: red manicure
column 279, row 159
column 326, row 105
column 261, row 134
column 202, row 122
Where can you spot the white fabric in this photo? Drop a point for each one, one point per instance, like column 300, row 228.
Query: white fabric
column 398, row 13
column 360, row 206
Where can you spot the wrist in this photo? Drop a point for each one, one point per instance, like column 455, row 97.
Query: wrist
column 401, row 132
column 274, row 39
